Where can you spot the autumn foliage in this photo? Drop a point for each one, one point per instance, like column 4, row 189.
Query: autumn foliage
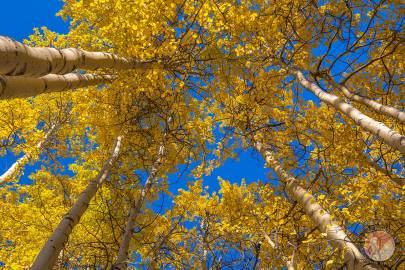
column 140, row 94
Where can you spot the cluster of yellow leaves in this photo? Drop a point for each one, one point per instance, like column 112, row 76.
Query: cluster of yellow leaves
column 236, row 50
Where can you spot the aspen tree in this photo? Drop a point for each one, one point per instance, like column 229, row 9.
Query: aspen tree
column 21, row 87
column 50, row 252
column 16, row 166
column 228, row 55
column 231, row 222
column 17, row 59
column 389, row 136
column 54, row 115
column 334, row 233
column 289, row 262
column 376, row 106
column 122, row 257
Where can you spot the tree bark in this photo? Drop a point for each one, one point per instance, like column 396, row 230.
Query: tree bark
column 21, row 87
column 378, row 107
column 334, row 233
column 50, row 252
column 290, row 263
column 122, row 257
column 204, row 244
column 19, row 59
column 378, row 129
column 14, row 169
column 268, row 239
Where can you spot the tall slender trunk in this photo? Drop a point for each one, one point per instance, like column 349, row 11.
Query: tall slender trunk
column 15, row 168
column 378, row 129
column 378, row 107
column 290, row 263
column 204, row 243
column 204, row 258
column 122, row 257
column 50, row 252
column 21, row 87
column 19, row 59
column 318, row 215
column 268, row 239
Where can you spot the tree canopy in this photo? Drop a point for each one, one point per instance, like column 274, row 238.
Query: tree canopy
column 138, row 91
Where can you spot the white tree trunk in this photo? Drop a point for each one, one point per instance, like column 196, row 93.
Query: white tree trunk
column 334, row 233
column 15, row 168
column 21, row 87
column 290, row 263
column 378, row 129
column 378, row 107
column 204, row 243
column 122, row 257
column 50, row 252
column 19, row 59
column 268, row 239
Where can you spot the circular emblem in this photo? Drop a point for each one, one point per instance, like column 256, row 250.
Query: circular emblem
column 379, row 246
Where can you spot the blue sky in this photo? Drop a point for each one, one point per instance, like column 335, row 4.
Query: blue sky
column 19, row 17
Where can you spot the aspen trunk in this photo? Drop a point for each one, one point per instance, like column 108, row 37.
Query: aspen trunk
column 378, row 107
column 268, row 239
column 378, row 129
column 21, row 87
column 334, row 233
column 204, row 259
column 16, row 167
column 122, row 257
column 290, row 263
column 204, row 244
column 50, row 252
column 19, row 59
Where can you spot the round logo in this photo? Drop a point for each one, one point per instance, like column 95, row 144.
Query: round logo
column 379, row 246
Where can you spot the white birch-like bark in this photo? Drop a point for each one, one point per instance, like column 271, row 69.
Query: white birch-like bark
column 376, row 106
column 334, row 233
column 268, row 239
column 19, row 59
column 50, row 252
column 21, row 87
column 122, row 257
column 204, row 244
column 387, row 135
column 290, row 263
column 22, row 161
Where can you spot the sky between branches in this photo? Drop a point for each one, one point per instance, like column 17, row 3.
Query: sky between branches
column 25, row 15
